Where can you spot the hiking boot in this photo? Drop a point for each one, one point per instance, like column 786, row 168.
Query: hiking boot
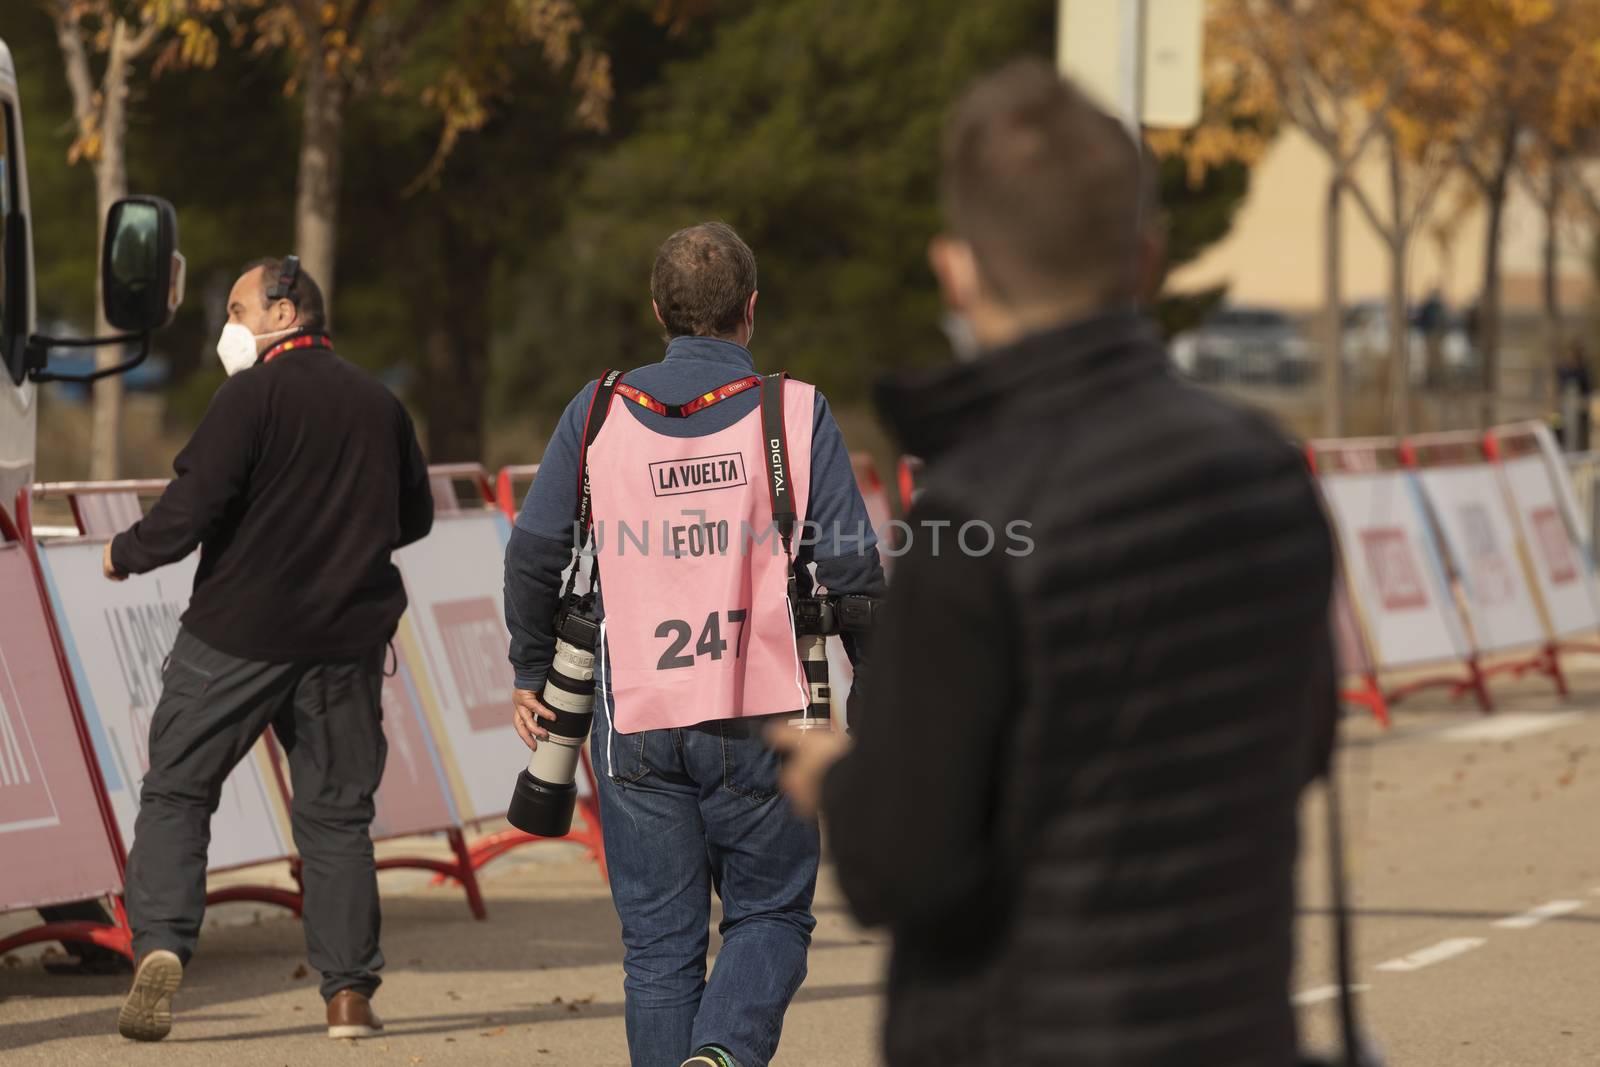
column 350, row 1014
column 146, row 1014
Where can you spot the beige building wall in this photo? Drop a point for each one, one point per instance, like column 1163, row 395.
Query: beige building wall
column 1274, row 254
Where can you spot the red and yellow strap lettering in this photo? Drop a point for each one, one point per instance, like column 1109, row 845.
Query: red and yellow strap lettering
column 305, row 340
column 699, row 403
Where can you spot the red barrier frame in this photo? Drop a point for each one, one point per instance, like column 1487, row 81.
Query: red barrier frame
column 505, row 486
column 473, row 472
column 500, row 842
column 906, row 474
column 1371, row 693
column 462, row 870
column 1464, row 447
column 117, row 935
column 589, row 836
column 1495, row 449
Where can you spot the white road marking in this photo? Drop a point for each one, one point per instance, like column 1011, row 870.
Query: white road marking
column 1535, row 916
column 1427, row 957
column 1508, row 726
column 1322, row 993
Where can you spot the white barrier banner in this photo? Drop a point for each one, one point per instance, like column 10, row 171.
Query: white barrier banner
column 52, row 835
column 455, row 578
column 117, row 636
column 1560, row 566
column 1472, row 514
column 1395, row 575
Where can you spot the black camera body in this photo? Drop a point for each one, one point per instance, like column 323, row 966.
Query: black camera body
column 827, row 616
column 575, row 622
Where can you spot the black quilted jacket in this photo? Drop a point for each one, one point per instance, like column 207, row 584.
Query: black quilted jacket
column 1073, row 797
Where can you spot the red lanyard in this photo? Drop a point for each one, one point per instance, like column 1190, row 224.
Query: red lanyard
column 699, row 403
column 305, row 340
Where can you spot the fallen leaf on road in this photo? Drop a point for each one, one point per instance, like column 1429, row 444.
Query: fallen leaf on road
column 301, row 971
column 452, row 994
column 415, row 1060
column 496, row 1032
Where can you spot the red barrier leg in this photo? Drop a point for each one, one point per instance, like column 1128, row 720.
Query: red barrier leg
column 1477, row 686
column 462, row 870
column 1370, row 697
column 588, row 835
column 260, row 894
column 116, row 935
column 1552, row 655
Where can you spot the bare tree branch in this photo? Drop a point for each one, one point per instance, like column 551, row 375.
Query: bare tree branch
column 70, row 37
column 133, row 47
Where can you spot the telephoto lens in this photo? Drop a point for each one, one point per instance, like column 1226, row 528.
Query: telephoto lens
column 818, row 714
column 547, row 792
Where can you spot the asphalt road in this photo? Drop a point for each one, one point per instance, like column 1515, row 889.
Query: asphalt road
column 1474, row 856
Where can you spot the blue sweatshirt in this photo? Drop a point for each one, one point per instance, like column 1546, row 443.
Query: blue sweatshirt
column 840, row 540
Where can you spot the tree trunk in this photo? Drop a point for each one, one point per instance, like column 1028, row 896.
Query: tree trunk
column 1489, row 303
column 1551, row 286
column 1332, row 313
column 111, row 184
column 1399, row 339
column 316, row 213
column 1399, row 326
column 455, row 333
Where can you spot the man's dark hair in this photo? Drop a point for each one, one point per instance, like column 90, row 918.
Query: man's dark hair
column 1046, row 188
column 305, row 294
column 702, row 281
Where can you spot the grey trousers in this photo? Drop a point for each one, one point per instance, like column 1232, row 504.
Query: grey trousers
column 329, row 720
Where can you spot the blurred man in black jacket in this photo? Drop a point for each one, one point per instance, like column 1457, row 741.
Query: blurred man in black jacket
column 301, row 479
column 1073, row 788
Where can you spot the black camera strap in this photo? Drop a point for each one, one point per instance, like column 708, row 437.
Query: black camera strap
column 599, row 407
column 775, row 446
column 1354, row 1053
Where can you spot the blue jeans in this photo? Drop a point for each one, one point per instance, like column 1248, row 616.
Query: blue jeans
column 687, row 811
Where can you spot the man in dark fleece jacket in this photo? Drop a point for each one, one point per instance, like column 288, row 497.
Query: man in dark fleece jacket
column 303, row 476
column 1072, row 795
column 688, row 793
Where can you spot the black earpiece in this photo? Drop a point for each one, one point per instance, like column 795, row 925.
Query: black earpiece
column 283, row 288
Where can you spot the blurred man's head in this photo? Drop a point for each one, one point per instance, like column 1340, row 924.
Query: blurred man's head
column 271, row 318
column 1046, row 204
column 704, row 284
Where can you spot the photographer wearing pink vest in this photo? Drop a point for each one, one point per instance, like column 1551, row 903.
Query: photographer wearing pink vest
column 707, row 495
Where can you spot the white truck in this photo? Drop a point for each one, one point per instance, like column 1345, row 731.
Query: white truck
column 141, row 283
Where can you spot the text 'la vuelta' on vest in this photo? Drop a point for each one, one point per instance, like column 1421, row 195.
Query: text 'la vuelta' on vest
column 698, row 475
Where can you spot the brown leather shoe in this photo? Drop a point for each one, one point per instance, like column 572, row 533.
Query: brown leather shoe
column 350, row 1015
column 146, row 1014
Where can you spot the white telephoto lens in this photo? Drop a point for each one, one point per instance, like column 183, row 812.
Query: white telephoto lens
column 556, row 760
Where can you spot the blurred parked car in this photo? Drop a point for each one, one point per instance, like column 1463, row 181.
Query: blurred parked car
column 1245, row 346
column 1366, row 345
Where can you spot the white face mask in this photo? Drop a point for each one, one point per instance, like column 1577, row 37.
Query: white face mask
column 237, row 346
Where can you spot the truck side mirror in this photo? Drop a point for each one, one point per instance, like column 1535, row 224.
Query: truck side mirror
column 141, row 285
column 141, row 271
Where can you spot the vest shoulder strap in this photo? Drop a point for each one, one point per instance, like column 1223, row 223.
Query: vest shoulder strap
column 776, row 449
column 599, row 406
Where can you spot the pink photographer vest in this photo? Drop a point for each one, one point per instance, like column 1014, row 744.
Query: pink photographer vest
column 695, row 581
